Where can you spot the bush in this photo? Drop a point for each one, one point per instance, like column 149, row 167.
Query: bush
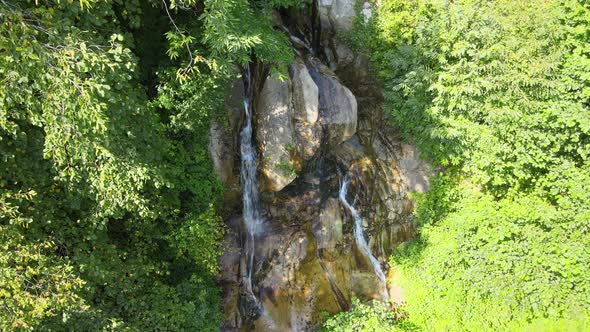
column 373, row 317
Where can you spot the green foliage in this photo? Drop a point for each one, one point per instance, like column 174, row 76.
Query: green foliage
column 495, row 94
column 374, row 317
column 493, row 265
column 487, row 89
column 235, row 31
column 440, row 200
column 286, row 167
column 34, row 285
column 108, row 203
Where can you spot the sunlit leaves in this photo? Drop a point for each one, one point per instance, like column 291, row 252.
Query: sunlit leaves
column 177, row 42
column 373, row 317
column 93, row 180
column 34, row 284
column 496, row 92
column 235, row 32
column 489, row 265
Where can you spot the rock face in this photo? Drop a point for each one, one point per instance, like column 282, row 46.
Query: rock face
column 223, row 144
column 327, row 229
column 220, row 146
column 337, row 15
column 305, row 93
column 275, row 134
column 338, row 107
column 290, row 115
column 305, row 118
column 286, row 126
column 322, row 122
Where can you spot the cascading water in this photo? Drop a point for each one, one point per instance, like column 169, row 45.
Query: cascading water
column 297, row 41
column 251, row 208
column 358, row 232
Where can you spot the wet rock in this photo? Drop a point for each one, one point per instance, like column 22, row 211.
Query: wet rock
column 350, row 151
column 381, row 187
column 296, row 287
column 322, row 122
column 327, row 229
column 223, row 145
column 250, row 308
column 366, row 285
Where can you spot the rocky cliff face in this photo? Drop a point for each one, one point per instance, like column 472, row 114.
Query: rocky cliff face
column 324, row 121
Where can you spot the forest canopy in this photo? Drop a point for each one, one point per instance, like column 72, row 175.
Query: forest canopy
column 109, row 209
column 110, row 212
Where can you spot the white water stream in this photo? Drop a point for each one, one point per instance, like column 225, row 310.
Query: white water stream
column 358, row 230
column 251, row 208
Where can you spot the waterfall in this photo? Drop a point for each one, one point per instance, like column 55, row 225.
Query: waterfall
column 251, row 208
column 297, row 41
column 358, row 232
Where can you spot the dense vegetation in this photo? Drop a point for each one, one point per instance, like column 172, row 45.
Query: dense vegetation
column 109, row 210
column 109, row 214
column 496, row 95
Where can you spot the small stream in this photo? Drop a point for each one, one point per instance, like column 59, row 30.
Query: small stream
column 358, row 233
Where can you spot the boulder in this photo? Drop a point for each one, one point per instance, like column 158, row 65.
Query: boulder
column 338, row 15
column 338, row 107
column 350, row 152
column 305, row 93
column 344, row 55
column 367, row 12
column 306, row 112
column 365, row 284
column 275, row 134
column 287, row 128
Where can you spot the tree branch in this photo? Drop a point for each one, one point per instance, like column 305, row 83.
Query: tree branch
column 190, row 54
